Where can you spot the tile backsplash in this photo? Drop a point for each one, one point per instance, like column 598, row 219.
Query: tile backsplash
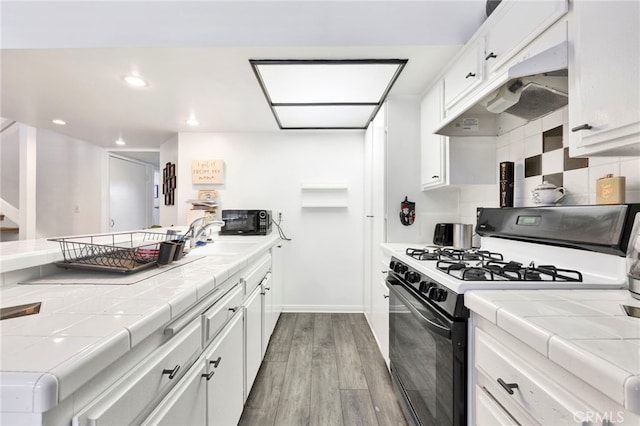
column 539, row 150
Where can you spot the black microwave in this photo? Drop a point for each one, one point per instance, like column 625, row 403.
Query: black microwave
column 246, row 222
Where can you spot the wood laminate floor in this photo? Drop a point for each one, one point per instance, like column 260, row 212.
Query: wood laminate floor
column 324, row 370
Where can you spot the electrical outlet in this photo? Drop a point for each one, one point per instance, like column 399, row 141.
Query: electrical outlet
column 76, row 208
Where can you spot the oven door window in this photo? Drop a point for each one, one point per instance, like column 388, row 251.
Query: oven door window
column 422, row 357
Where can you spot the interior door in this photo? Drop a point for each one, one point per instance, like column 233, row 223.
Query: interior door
column 130, row 194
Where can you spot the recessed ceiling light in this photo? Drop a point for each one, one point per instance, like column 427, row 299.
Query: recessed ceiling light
column 192, row 122
column 59, row 122
column 120, row 142
column 135, row 81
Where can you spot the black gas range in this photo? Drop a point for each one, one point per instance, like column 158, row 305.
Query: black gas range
column 522, row 248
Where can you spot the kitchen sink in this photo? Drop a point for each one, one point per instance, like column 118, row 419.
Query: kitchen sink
column 223, row 248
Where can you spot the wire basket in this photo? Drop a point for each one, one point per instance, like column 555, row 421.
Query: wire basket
column 120, row 252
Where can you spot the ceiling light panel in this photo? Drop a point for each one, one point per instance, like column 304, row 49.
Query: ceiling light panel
column 326, row 94
column 328, row 83
column 324, row 116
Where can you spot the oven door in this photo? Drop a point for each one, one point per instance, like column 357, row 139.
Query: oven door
column 427, row 359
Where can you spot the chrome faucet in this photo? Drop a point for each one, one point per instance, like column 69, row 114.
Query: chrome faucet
column 198, row 228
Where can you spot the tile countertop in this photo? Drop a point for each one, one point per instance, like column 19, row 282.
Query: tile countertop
column 586, row 332
column 82, row 329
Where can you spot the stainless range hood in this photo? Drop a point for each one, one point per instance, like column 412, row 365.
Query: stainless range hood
column 536, row 86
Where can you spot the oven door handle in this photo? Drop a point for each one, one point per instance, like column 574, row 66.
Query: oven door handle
column 436, row 328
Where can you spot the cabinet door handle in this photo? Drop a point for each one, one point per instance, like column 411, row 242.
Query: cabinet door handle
column 208, row 376
column 471, row 74
column 435, row 177
column 386, row 296
column 490, row 56
column 235, row 308
column 171, row 373
column 509, row 387
column 582, row 127
column 216, row 362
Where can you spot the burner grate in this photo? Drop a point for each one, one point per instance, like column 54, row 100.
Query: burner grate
column 490, row 266
column 445, row 253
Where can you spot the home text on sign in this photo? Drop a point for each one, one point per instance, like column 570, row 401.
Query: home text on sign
column 207, row 171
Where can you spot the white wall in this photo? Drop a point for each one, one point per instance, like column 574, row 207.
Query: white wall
column 517, row 142
column 403, row 177
column 69, row 175
column 9, row 163
column 324, row 260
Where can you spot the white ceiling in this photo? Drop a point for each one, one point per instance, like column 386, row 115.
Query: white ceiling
column 66, row 59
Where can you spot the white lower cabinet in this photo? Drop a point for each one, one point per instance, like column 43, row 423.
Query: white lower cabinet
column 185, row 404
column 267, row 309
column 253, row 337
column 277, row 282
column 128, row 398
column 380, row 316
column 211, row 393
column 224, row 376
column 512, row 383
column 489, row 412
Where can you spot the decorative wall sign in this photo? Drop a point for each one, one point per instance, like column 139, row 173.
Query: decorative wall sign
column 169, row 183
column 207, row 171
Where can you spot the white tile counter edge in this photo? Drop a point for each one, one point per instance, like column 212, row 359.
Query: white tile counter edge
column 604, row 374
column 39, row 391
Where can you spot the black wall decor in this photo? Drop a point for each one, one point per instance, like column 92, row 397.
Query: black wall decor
column 169, row 183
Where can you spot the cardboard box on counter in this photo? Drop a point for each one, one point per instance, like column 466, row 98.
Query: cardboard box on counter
column 610, row 190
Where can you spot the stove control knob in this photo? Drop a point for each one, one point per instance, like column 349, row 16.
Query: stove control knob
column 412, row 277
column 437, row 294
column 400, row 268
column 424, row 287
column 392, row 265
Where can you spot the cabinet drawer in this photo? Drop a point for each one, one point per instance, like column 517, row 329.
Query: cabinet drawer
column 511, row 380
column 185, row 404
column 215, row 317
column 489, row 412
column 254, row 274
column 130, row 396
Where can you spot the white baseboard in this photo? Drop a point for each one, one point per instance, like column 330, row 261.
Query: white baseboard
column 323, row 308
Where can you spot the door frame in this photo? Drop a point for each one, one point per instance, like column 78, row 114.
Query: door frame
column 106, row 181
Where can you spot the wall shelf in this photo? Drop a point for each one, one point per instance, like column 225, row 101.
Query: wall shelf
column 325, row 195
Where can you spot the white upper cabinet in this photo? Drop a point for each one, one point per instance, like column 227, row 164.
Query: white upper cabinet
column 451, row 161
column 432, row 148
column 516, row 31
column 514, row 25
column 465, row 74
column 604, row 78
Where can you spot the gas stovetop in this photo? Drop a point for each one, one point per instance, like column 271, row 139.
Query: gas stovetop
column 484, row 265
column 503, row 264
column 568, row 247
